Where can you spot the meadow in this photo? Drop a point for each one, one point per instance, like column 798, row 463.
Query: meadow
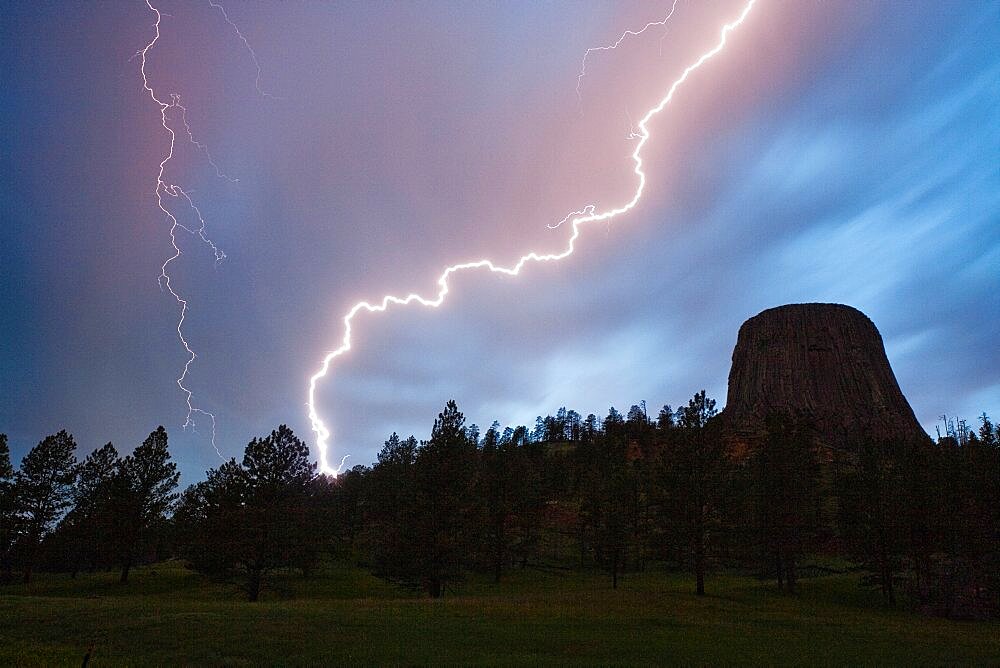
column 167, row 615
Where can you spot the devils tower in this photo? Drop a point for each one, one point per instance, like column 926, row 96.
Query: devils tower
column 824, row 361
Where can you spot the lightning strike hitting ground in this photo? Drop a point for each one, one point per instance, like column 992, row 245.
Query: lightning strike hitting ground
column 611, row 47
column 169, row 111
column 578, row 218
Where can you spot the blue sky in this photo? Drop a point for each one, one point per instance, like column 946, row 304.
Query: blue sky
column 843, row 153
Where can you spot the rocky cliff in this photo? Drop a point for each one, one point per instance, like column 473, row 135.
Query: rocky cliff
column 826, row 361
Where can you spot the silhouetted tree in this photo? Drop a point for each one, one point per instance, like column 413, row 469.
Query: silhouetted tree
column 591, row 427
column 496, row 491
column 606, row 522
column 613, row 420
column 390, row 532
column 511, row 491
column 43, row 490
column 883, row 517
column 91, row 525
column 7, row 512
column 574, row 426
column 963, row 573
column 786, row 499
column 276, row 473
column 637, row 415
column 143, row 492
column 691, row 472
column 538, row 433
column 988, row 433
column 209, row 521
column 248, row 519
column 446, row 509
column 665, row 419
column 350, row 502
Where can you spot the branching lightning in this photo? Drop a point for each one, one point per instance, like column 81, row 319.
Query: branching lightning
column 610, row 47
column 167, row 191
column 253, row 55
column 588, row 215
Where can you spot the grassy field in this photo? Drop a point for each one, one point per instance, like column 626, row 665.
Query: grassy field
column 169, row 616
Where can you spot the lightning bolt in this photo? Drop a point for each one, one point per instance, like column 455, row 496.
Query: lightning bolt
column 253, row 55
column 166, row 191
column 611, row 47
column 578, row 218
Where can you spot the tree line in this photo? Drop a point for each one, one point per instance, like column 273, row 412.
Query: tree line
column 919, row 520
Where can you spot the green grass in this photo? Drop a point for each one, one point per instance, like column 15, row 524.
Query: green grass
column 169, row 616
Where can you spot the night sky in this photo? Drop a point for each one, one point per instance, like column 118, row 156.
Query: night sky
column 836, row 152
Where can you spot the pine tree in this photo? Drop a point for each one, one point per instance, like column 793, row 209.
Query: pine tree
column 690, row 475
column 91, row 524
column 277, row 474
column 988, row 433
column 785, row 480
column 665, row 420
column 248, row 519
column 143, row 493
column 209, row 521
column 7, row 512
column 390, row 533
column 447, row 511
column 43, row 490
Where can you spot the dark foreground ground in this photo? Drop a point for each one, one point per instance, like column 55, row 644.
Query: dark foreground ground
column 169, row 616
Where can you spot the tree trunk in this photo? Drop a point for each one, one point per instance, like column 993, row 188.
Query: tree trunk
column 885, row 575
column 29, row 556
column 126, row 567
column 253, row 586
column 885, row 567
column 699, row 563
column 498, row 554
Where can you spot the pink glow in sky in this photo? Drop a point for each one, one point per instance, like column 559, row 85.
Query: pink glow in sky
column 835, row 152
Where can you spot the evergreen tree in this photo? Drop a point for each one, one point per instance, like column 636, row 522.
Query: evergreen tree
column 43, row 491
column 246, row 520
column 209, row 521
column 496, row 489
column 538, row 433
column 637, row 415
column 91, row 525
column 613, row 420
column 574, row 426
column 606, row 522
column 691, row 475
column 786, row 498
column 143, row 492
column 7, row 512
column 987, row 433
column 665, row 419
column 277, row 475
column 447, row 511
column 874, row 500
column 390, row 533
